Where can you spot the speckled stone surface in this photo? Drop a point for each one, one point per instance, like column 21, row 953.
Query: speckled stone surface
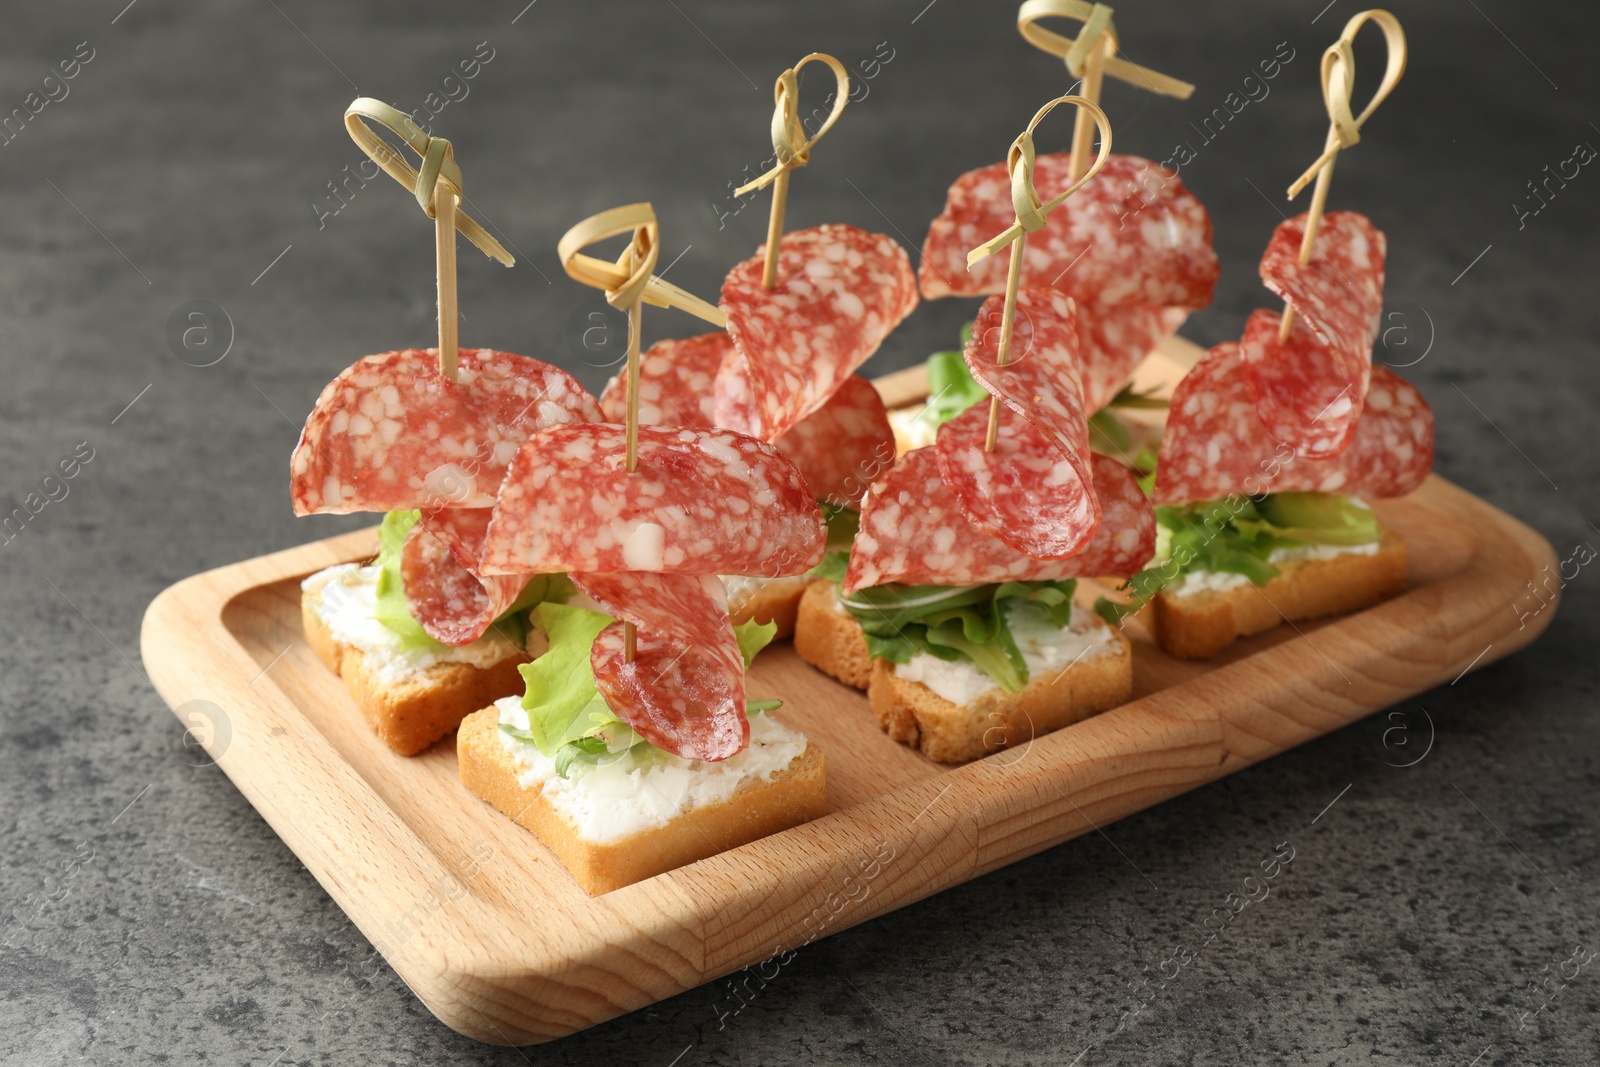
column 1431, row 914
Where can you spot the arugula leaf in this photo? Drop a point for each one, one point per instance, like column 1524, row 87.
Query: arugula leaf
column 998, row 657
column 756, row 707
column 1127, row 398
column 833, row 566
column 843, row 522
column 955, row 623
column 572, row 750
column 1107, row 435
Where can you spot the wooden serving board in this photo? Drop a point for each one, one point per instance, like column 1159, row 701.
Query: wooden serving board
column 497, row 940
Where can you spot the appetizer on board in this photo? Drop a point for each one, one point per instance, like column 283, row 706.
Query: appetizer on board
column 803, row 313
column 633, row 749
column 955, row 607
column 1274, row 445
column 420, row 634
column 1132, row 246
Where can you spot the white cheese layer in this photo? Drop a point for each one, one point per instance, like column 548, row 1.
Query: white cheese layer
column 347, row 595
column 742, row 588
column 623, row 794
column 911, row 432
column 1045, row 648
column 1194, row 581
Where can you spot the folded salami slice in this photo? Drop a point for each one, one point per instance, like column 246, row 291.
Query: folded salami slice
column 913, row 531
column 699, row 502
column 439, row 566
column 676, row 378
column 684, row 690
column 840, row 292
column 843, row 445
column 839, row 448
column 1113, row 340
column 1132, row 235
column 1035, row 491
column 1310, row 389
column 1216, row 445
column 390, row 432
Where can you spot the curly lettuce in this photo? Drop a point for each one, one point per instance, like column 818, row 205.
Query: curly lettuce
column 1238, row 535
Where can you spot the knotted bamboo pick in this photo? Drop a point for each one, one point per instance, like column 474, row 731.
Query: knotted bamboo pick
column 437, row 186
column 1090, row 56
column 1344, row 128
column 629, row 284
column 1030, row 218
column 791, row 148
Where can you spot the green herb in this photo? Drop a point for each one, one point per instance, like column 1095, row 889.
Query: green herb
column 843, row 522
column 1107, row 435
column 1127, row 398
column 953, row 623
column 1238, row 535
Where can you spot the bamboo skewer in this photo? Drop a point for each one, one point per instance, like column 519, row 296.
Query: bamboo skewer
column 437, row 186
column 791, row 148
column 629, row 283
column 444, row 234
column 1344, row 128
column 1031, row 216
column 1091, row 56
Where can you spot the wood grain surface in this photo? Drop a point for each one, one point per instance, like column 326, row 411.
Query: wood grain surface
column 498, row 941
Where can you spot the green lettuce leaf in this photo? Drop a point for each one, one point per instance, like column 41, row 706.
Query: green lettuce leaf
column 753, row 637
column 1238, row 536
column 560, row 684
column 568, row 719
column 393, row 610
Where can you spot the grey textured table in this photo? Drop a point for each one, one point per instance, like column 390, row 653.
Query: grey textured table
column 1432, row 911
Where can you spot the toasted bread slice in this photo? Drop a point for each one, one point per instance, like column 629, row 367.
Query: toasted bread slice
column 829, row 638
column 775, row 600
column 413, row 713
column 1200, row 624
column 796, row 794
column 915, row 715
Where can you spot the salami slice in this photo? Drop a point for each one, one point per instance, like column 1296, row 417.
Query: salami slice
column 1216, row 445
column 733, row 398
column 684, row 690
column 843, row 445
column 1309, row 390
column 1035, row 491
column 1113, row 340
column 699, row 502
column 840, row 292
column 391, row 433
column 449, row 598
column 676, row 378
column 1132, row 235
column 913, row 531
